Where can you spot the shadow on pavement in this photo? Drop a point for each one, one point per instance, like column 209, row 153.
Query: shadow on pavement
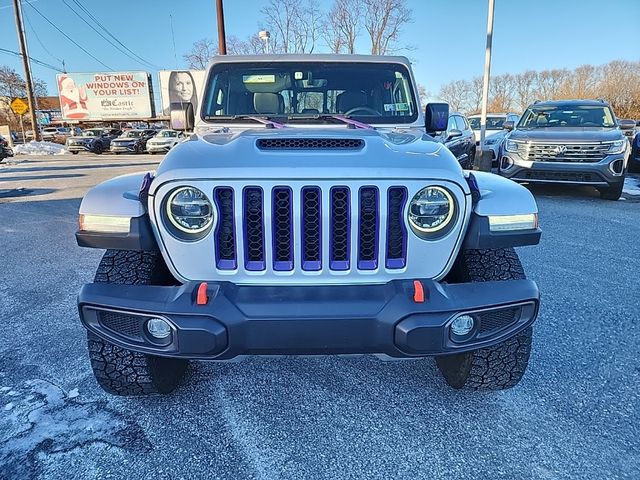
column 23, row 192
column 41, row 177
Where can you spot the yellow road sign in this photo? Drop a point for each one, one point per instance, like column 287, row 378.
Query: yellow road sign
column 19, row 106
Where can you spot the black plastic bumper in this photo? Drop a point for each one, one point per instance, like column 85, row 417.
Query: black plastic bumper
column 308, row 320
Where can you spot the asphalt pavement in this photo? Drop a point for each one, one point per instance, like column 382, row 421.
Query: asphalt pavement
column 574, row 415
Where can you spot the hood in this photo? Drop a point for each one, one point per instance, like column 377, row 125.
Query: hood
column 78, row 137
column 293, row 153
column 566, row 134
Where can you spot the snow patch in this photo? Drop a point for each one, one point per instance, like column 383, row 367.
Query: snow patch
column 44, row 420
column 39, row 148
column 631, row 186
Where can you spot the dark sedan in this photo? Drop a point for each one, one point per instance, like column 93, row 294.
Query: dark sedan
column 459, row 139
column 132, row 141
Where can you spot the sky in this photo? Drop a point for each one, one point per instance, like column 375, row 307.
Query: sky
column 448, row 37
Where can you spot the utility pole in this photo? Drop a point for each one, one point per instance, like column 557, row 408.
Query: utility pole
column 222, row 39
column 27, row 69
column 485, row 159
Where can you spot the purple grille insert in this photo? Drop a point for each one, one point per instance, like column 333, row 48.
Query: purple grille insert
column 253, row 228
column 340, row 228
column 282, row 229
column 396, row 229
column 311, row 228
column 368, row 227
column 225, row 233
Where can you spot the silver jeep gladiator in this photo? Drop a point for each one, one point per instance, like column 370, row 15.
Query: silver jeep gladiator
column 311, row 212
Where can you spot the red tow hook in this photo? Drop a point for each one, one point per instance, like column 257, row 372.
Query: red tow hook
column 201, row 296
column 418, row 292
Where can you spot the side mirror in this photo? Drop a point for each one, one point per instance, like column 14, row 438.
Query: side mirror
column 436, row 117
column 182, row 116
column 509, row 125
column 627, row 124
column 454, row 134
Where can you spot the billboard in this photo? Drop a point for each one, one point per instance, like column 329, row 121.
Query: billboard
column 180, row 86
column 106, row 96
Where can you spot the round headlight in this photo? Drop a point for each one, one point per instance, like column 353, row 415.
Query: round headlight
column 189, row 210
column 431, row 210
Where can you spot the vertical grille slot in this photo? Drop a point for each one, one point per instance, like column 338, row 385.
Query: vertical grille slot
column 311, row 229
column 254, row 256
column 225, row 233
column 368, row 229
column 339, row 236
column 396, row 229
column 282, row 218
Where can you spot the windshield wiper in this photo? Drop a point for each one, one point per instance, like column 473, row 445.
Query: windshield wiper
column 260, row 119
column 340, row 118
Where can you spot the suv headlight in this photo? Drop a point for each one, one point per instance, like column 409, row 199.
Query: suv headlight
column 618, row 146
column 511, row 146
column 189, row 210
column 431, row 211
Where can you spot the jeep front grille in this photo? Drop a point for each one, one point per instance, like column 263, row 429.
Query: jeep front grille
column 569, row 153
column 297, row 232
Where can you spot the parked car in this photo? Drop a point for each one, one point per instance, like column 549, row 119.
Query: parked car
column 164, row 141
column 459, row 138
column 132, row 141
column 5, row 149
column 634, row 158
column 494, row 133
column 568, row 142
column 95, row 140
column 49, row 133
column 352, row 214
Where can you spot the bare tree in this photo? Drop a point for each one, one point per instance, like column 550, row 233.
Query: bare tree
column 501, row 93
column 456, row 94
column 383, row 20
column 201, row 54
column 343, row 25
column 423, row 94
column 524, row 85
column 13, row 86
column 295, row 25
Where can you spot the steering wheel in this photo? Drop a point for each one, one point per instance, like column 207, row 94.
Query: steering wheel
column 364, row 109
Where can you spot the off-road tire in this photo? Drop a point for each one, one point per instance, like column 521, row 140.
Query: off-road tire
column 120, row 371
column 612, row 193
column 503, row 365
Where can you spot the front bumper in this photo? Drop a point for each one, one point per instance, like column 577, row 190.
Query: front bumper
column 597, row 174
column 80, row 147
column 308, row 320
column 122, row 147
column 163, row 147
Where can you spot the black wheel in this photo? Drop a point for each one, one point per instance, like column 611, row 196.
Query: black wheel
column 138, row 148
column 503, row 365
column 74, row 153
column 97, row 149
column 613, row 192
column 120, row 371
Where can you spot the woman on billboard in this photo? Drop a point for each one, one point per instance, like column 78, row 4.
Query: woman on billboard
column 182, row 88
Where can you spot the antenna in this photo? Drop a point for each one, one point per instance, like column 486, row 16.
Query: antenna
column 173, row 39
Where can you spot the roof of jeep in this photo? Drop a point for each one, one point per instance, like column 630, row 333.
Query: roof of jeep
column 555, row 103
column 314, row 57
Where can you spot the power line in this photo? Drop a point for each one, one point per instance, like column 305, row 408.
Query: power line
column 104, row 29
column 70, row 39
column 121, row 50
column 35, row 34
column 35, row 60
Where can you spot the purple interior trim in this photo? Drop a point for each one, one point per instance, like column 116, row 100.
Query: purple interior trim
column 311, row 265
column 268, row 122
column 355, row 123
column 370, row 264
column 225, row 264
column 282, row 265
column 402, row 261
column 340, row 264
column 252, row 265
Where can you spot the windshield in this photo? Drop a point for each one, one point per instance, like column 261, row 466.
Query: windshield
column 92, row 133
column 167, row 133
column 132, row 134
column 369, row 92
column 567, row 116
column 493, row 123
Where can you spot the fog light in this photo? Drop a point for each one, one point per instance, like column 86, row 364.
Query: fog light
column 158, row 328
column 462, row 326
column 506, row 163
